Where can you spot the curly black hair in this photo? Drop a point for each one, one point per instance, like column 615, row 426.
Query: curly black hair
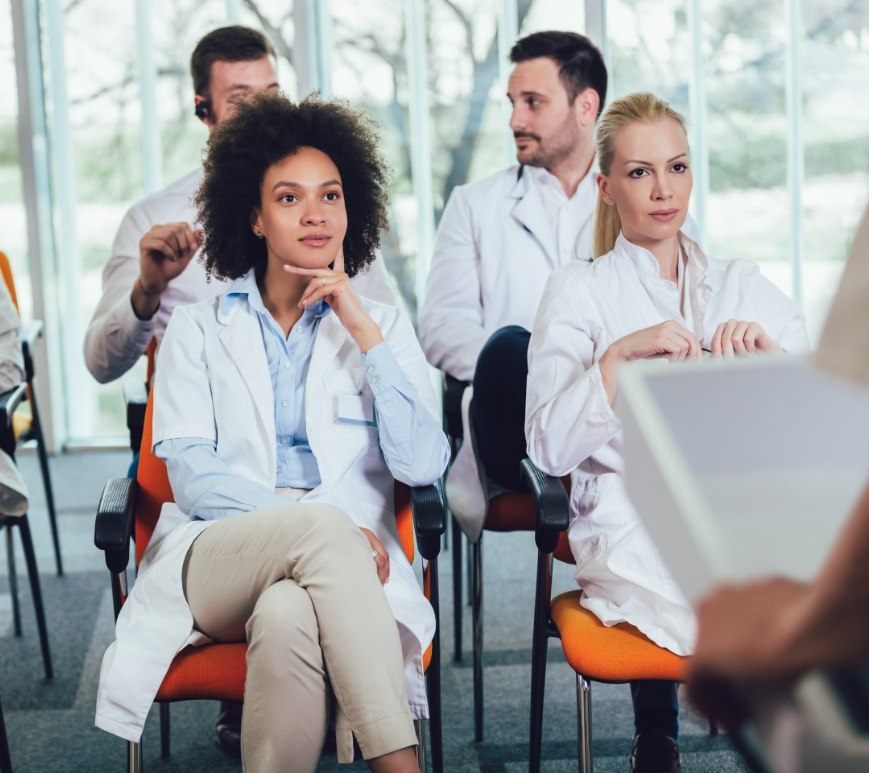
column 264, row 131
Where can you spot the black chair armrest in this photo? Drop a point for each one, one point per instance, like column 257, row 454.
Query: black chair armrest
column 136, row 398
column 114, row 522
column 553, row 506
column 29, row 332
column 429, row 518
column 9, row 401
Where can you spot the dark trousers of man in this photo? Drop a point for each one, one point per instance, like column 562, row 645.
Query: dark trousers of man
column 498, row 415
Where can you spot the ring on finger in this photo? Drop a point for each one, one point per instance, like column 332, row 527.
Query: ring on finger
column 323, row 281
column 374, row 554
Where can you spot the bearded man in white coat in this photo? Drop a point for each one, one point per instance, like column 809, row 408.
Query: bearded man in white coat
column 497, row 243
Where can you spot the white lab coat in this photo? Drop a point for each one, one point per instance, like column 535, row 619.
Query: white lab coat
column 571, row 427
column 228, row 398
column 494, row 251
column 116, row 337
column 496, row 247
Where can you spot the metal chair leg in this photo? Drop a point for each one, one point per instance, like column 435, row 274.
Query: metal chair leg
column 5, row 760
column 539, row 649
column 477, row 613
column 469, row 572
column 583, row 724
column 46, row 482
column 457, row 589
column 420, row 746
column 433, row 679
column 13, row 581
column 164, row 731
column 134, row 757
column 35, row 591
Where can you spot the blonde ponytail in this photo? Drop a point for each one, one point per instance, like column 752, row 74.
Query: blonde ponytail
column 634, row 108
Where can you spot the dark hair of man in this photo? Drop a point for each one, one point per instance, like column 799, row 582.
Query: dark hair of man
column 580, row 64
column 265, row 131
column 226, row 44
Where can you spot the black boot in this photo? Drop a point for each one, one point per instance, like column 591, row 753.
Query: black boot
column 655, row 753
column 228, row 728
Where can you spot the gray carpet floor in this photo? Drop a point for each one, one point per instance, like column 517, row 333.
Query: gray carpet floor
column 50, row 724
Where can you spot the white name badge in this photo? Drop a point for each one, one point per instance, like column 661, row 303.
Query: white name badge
column 357, row 410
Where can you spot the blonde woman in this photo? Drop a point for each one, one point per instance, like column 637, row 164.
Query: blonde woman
column 651, row 292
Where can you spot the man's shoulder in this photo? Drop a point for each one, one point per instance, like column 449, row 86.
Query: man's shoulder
column 488, row 189
column 174, row 202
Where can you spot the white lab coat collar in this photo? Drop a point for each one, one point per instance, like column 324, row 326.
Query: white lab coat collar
column 647, row 264
column 531, row 213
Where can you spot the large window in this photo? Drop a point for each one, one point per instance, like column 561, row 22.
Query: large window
column 771, row 90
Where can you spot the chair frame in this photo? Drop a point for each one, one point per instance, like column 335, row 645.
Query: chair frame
column 553, row 518
column 9, row 402
column 115, row 526
column 30, row 332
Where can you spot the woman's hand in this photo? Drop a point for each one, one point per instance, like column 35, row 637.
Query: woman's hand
column 736, row 338
column 668, row 339
column 379, row 554
column 333, row 286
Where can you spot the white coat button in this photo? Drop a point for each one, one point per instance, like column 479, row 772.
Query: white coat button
column 286, row 366
column 371, row 369
column 375, row 379
column 284, row 403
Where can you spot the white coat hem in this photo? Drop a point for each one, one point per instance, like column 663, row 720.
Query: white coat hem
column 129, row 731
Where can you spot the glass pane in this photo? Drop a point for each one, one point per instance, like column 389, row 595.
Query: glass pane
column 538, row 15
column 649, row 50
column 369, row 69
column 13, row 237
column 104, row 141
column 835, row 68
column 744, row 51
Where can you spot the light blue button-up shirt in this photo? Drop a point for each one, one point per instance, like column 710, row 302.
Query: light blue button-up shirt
column 411, row 439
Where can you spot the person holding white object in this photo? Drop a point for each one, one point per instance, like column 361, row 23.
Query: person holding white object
column 650, row 292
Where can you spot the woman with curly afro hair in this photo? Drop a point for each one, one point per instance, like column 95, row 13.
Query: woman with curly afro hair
column 285, row 409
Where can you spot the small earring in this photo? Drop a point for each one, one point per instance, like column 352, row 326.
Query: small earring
column 260, row 235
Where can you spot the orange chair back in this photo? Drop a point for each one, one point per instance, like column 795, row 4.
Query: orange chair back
column 6, row 272
column 154, row 490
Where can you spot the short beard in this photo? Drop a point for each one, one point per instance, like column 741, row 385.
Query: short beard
column 565, row 142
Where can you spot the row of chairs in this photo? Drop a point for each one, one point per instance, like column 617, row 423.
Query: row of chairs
column 596, row 653
column 19, row 423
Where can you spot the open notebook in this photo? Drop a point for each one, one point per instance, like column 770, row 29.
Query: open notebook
column 750, row 467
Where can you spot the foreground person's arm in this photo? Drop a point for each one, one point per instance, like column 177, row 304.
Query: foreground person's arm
column 774, row 630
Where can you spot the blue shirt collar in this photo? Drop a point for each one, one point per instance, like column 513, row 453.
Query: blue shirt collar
column 245, row 287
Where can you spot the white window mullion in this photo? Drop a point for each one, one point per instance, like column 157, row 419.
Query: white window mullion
column 80, row 393
column 699, row 135
column 152, row 165
column 595, row 27
column 36, row 182
column 793, row 94
column 508, row 32
column 416, row 53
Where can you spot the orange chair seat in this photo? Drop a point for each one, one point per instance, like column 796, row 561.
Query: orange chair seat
column 214, row 672
column 616, row 654
column 211, row 672
column 512, row 512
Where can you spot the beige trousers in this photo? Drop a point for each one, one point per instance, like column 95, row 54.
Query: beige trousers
column 298, row 583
